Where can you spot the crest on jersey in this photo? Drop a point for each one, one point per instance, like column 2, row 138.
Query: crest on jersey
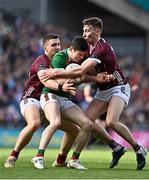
column 94, row 56
column 42, row 66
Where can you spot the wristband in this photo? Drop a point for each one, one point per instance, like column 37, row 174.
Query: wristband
column 60, row 87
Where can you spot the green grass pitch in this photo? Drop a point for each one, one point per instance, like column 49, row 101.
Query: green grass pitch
column 96, row 160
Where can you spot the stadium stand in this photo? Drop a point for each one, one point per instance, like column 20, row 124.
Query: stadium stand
column 141, row 4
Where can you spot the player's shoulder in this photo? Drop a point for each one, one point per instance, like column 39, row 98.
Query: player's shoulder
column 40, row 58
column 106, row 45
column 104, row 42
column 41, row 62
column 62, row 53
column 60, row 57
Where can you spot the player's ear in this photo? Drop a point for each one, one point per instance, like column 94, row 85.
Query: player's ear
column 44, row 47
column 71, row 48
column 98, row 31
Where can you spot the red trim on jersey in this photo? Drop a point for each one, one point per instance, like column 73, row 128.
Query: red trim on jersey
column 67, row 61
column 46, row 97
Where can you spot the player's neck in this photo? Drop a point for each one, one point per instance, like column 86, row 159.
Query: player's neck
column 48, row 55
column 93, row 44
column 94, row 41
column 69, row 54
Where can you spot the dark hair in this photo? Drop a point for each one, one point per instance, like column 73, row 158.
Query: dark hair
column 79, row 44
column 50, row 36
column 93, row 21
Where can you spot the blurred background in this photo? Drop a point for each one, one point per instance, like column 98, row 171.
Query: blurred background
column 23, row 23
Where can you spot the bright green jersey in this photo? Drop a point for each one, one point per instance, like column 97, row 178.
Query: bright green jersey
column 60, row 60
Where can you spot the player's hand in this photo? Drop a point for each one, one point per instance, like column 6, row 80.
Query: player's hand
column 46, row 74
column 110, row 77
column 104, row 77
column 42, row 74
column 68, row 87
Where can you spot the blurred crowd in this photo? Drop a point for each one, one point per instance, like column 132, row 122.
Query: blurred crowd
column 21, row 42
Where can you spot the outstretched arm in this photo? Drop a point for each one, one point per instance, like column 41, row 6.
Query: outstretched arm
column 70, row 73
column 99, row 78
column 66, row 86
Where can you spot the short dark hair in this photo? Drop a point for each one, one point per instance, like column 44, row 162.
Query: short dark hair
column 79, row 44
column 50, row 36
column 93, row 21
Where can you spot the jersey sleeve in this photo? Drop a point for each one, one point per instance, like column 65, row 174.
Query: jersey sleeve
column 95, row 60
column 95, row 57
column 111, row 58
column 40, row 64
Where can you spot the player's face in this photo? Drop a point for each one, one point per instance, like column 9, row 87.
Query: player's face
column 52, row 46
column 90, row 34
column 76, row 55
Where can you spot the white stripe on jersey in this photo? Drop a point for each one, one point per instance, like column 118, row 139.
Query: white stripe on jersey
column 118, row 77
column 94, row 59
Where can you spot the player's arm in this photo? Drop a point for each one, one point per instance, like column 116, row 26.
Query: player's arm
column 85, row 67
column 77, row 72
column 41, row 69
column 49, row 83
column 53, row 84
column 60, row 86
column 99, row 78
column 43, row 75
column 47, row 73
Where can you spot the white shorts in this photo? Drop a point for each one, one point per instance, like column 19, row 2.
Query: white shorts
column 122, row 91
column 28, row 101
column 63, row 102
